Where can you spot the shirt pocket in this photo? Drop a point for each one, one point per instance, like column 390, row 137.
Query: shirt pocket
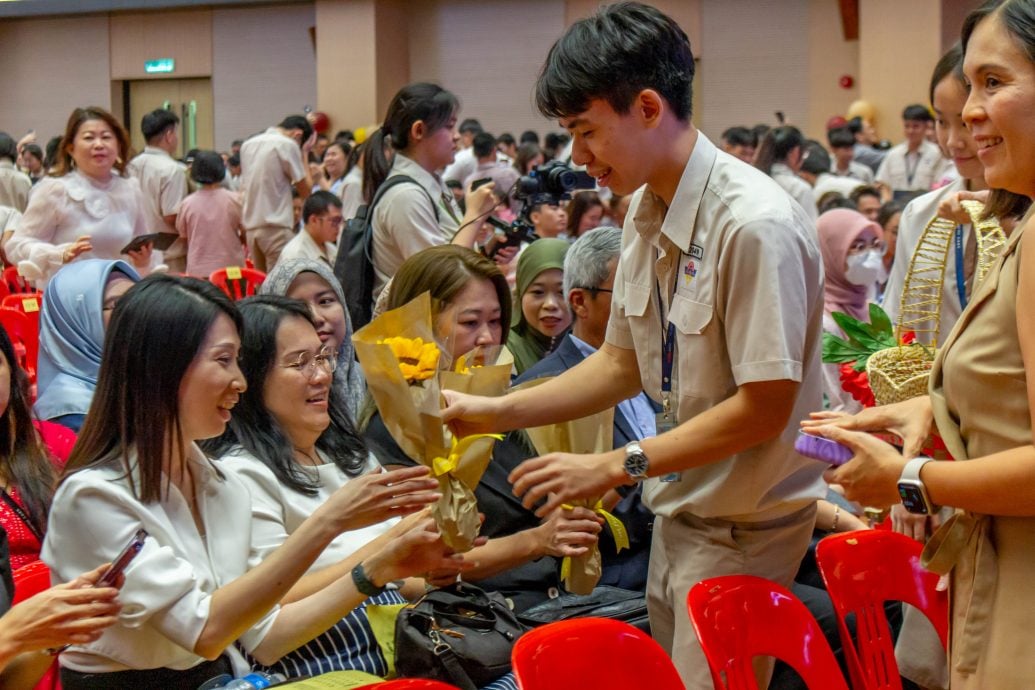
column 703, row 367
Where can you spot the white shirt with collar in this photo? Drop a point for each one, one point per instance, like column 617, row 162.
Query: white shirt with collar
column 798, row 188
column 303, row 246
column 14, row 186
column 917, row 171
column 738, row 266
column 855, row 169
column 462, row 166
column 164, row 183
column 404, row 220
column 169, row 585
column 828, row 182
column 271, row 164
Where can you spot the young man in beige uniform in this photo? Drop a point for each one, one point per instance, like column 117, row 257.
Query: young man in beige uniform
column 716, row 313
column 271, row 164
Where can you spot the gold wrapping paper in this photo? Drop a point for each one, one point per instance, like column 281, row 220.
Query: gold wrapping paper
column 592, row 434
column 411, row 411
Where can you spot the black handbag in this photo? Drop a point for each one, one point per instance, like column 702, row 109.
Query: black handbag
column 603, row 602
column 458, row 634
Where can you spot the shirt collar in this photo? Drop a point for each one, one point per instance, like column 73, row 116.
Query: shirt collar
column 653, row 217
column 6, row 164
column 155, row 151
column 408, row 166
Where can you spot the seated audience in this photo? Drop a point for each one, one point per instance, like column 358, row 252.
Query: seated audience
column 779, row 155
column 542, row 318
column 322, row 220
column 14, row 184
column 916, row 164
column 740, row 143
column 196, row 588
column 73, row 318
column 549, row 219
column 867, row 200
column 842, row 145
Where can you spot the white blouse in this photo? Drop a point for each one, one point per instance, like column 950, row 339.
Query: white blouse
column 62, row 209
column 277, row 510
column 169, row 585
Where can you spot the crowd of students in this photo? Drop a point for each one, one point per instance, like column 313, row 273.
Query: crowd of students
column 278, row 505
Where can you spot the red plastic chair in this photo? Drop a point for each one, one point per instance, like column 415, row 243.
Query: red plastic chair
column 27, row 304
column 237, row 282
column 740, row 617
column 15, row 283
column 862, row 570
column 409, row 684
column 593, row 653
column 29, row 580
column 25, row 338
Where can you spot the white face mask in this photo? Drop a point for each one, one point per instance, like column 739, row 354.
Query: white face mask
column 865, row 268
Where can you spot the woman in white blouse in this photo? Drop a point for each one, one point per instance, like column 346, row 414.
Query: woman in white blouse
column 88, row 207
column 168, row 378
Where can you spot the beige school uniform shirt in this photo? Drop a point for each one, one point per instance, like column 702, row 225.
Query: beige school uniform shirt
column 918, row 171
column 271, row 164
column 980, row 400
column 737, row 266
column 14, row 186
column 164, row 183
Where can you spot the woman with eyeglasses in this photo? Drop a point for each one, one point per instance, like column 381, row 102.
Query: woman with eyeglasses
column 853, row 262
column 294, row 447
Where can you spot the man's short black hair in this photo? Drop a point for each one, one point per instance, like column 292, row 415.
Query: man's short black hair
column 614, row 55
column 234, row 160
column 816, row 159
column 155, row 123
column 739, row 136
column 484, row 144
column 8, row 147
column 507, row 139
column 34, row 150
column 917, row 113
column 841, row 138
column 864, row 190
column 300, row 123
column 529, row 137
column 470, row 126
column 207, row 167
column 319, row 203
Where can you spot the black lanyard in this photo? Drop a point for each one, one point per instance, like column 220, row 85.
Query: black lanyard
column 20, row 512
column 668, row 347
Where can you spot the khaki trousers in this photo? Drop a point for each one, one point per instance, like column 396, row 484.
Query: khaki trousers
column 687, row 549
column 265, row 245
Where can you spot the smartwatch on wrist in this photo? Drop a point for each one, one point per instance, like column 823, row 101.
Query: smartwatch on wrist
column 912, row 490
column 364, row 584
column 636, row 463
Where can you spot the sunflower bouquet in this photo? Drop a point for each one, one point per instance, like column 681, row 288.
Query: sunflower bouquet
column 592, row 434
column 401, row 360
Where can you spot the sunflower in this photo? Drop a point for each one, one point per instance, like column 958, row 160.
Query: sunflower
column 418, row 360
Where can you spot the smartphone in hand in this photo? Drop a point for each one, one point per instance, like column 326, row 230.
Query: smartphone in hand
column 111, row 575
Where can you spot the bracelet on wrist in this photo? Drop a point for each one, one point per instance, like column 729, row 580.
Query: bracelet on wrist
column 837, row 516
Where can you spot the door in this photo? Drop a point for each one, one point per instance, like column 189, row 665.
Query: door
column 190, row 99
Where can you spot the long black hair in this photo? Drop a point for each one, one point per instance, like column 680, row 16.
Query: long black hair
column 156, row 331
column 425, row 102
column 254, row 429
column 24, row 464
column 776, row 145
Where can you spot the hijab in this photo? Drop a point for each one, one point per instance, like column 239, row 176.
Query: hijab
column 838, row 229
column 526, row 343
column 348, row 383
column 72, row 336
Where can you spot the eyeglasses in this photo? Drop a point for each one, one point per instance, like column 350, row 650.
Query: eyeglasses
column 307, row 363
column 335, row 220
column 860, row 246
column 592, row 289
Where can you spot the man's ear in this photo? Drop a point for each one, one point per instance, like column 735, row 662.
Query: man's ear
column 577, row 300
column 649, row 107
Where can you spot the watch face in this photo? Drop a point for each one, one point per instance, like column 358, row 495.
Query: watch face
column 913, row 498
column 636, row 465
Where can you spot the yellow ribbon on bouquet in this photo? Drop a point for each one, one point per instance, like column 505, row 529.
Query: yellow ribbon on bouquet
column 618, row 531
column 457, row 449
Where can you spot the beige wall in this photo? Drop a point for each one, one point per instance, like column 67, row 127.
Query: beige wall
column 263, row 67
column 346, row 73
column 185, row 36
column 687, row 14
column 50, row 67
column 899, row 44
column 830, row 57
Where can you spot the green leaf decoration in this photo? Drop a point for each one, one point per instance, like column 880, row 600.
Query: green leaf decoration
column 881, row 323
column 861, row 339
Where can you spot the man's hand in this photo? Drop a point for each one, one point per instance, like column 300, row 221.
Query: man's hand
column 563, row 477
column 472, row 414
column 569, row 532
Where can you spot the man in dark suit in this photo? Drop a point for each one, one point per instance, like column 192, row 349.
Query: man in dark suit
column 589, row 273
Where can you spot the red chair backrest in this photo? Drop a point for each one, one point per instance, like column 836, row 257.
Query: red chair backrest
column 593, row 653
column 740, row 617
column 15, row 283
column 29, row 580
column 862, row 570
column 237, row 282
column 24, row 337
column 409, row 684
column 28, row 304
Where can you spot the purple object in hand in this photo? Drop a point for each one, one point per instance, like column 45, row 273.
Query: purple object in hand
column 822, row 449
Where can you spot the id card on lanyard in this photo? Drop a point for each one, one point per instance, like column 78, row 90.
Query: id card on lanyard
column 665, row 420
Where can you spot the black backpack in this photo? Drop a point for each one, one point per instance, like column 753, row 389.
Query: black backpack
column 354, row 267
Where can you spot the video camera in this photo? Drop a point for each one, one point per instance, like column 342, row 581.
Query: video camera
column 550, row 183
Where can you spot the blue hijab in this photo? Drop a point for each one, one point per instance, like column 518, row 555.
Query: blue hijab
column 72, row 336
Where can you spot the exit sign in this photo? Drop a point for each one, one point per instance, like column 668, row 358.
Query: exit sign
column 162, row 66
